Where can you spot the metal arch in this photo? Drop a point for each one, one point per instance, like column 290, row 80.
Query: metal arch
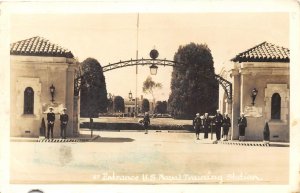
column 227, row 86
column 142, row 62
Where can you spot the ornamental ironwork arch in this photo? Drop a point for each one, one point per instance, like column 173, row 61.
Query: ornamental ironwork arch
column 227, row 86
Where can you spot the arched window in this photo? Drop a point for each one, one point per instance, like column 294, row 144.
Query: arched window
column 276, row 106
column 28, row 100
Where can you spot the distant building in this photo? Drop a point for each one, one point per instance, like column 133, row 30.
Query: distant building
column 264, row 68
column 129, row 105
column 36, row 65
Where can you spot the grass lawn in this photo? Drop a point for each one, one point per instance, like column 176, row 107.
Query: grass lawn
column 154, row 121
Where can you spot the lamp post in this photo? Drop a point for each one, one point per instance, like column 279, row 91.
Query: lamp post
column 253, row 95
column 52, row 92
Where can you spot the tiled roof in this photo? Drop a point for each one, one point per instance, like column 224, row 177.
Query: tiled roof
column 38, row 46
column 264, row 52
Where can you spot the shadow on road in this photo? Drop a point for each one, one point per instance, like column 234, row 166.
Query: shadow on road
column 113, row 139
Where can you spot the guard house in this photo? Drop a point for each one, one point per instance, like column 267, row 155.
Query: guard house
column 42, row 75
column 260, row 89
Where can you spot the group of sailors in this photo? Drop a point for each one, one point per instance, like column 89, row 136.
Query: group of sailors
column 215, row 123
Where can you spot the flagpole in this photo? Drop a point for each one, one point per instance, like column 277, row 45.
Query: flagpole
column 136, row 66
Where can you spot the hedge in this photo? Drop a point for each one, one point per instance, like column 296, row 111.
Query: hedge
column 134, row 126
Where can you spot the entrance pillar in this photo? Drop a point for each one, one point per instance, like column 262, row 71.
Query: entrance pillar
column 235, row 113
column 70, row 98
column 76, row 116
column 228, row 110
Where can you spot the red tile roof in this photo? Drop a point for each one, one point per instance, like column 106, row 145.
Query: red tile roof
column 264, row 52
column 38, row 46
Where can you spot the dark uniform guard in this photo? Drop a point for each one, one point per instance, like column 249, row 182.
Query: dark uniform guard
column 64, row 118
column 50, row 119
column 197, row 124
column 146, row 122
column 242, row 123
column 218, row 124
column 226, row 125
column 205, row 125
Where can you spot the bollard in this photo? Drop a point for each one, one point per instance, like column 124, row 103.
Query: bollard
column 43, row 129
column 91, row 126
column 266, row 134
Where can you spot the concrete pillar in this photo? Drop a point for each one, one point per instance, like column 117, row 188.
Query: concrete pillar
column 235, row 113
column 70, row 99
column 76, row 116
column 229, row 107
column 229, row 112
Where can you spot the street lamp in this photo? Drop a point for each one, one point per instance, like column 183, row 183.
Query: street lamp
column 153, row 68
column 130, row 95
column 52, row 92
column 253, row 95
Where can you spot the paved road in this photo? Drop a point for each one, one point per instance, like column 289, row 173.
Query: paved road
column 156, row 158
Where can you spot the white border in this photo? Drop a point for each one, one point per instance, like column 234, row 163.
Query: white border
column 154, row 6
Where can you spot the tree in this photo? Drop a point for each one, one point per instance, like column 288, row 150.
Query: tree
column 149, row 86
column 119, row 105
column 193, row 86
column 164, row 107
column 145, row 105
column 93, row 99
column 161, row 107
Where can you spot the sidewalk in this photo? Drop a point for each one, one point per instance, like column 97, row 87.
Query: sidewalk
column 85, row 137
column 81, row 138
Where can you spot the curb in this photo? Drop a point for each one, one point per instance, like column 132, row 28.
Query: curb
column 252, row 143
column 68, row 140
column 244, row 143
column 55, row 140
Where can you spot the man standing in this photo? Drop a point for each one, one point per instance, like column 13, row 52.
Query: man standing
column 205, row 125
column 64, row 118
column 218, row 123
column 50, row 119
column 146, row 122
column 197, row 124
column 226, row 125
column 242, row 123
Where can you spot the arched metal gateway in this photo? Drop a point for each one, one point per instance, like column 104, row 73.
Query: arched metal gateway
column 153, row 62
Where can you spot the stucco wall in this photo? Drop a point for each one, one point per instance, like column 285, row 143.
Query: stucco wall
column 261, row 76
column 39, row 73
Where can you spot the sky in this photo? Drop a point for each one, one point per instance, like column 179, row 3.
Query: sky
column 110, row 38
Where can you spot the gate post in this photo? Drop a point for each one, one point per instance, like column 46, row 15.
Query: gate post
column 228, row 107
column 235, row 113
